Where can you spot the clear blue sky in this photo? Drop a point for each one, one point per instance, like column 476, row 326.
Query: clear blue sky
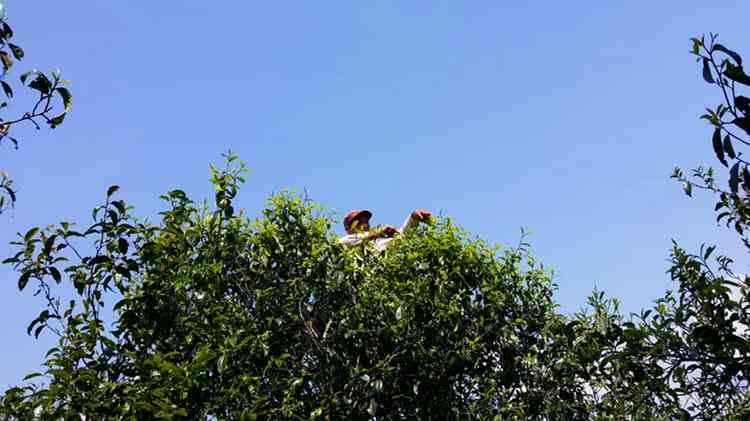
column 559, row 117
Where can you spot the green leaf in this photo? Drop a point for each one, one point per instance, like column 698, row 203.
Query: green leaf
column 122, row 245
column 696, row 45
column 112, row 189
column 55, row 274
column 687, row 187
column 67, row 98
column 7, row 61
column 221, row 364
column 7, row 31
column 7, row 89
column 736, row 73
column 707, row 76
column 30, row 234
column 736, row 57
column 743, row 104
column 708, row 252
column 248, row 415
column 56, row 120
column 31, row 376
column 23, row 280
column 16, row 50
column 49, row 243
column 99, row 260
column 51, row 351
column 41, row 83
column 728, row 147
column 25, row 75
column 734, row 179
column 743, row 123
column 718, row 147
column 685, row 415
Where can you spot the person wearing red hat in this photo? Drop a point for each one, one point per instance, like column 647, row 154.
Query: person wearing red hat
column 357, row 226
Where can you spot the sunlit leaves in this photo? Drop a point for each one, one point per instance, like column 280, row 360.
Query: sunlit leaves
column 277, row 320
column 6, row 61
column 67, row 98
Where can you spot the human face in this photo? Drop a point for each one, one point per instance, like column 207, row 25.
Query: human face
column 360, row 224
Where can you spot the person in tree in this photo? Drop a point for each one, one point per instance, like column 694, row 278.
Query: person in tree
column 358, row 231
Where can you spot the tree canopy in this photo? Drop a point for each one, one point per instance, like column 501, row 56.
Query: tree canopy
column 219, row 315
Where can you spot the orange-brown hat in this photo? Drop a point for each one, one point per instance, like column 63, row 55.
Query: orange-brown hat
column 351, row 216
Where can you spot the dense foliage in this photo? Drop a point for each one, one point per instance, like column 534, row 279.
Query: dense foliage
column 49, row 90
column 209, row 314
column 696, row 340
column 271, row 318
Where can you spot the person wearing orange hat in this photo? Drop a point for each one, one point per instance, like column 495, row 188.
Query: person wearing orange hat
column 357, row 226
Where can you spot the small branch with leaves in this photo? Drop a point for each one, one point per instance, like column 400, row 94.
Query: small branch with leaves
column 723, row 68
column 51, row 90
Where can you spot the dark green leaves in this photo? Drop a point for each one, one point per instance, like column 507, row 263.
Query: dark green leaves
column 32, row 376
column 743, row 123
column 55, row 274
column 7, row 89
column 218, row 316
column 718, row 147
column 97, row 260
column 734, row 177
column 16, row 50
column 30, row 234
column 278, row 321
column 23, row 280
column 56, row 120
column 7, row 31
column 41, row 83
column 728, row 148
column 248, row 415
column 122, row 245
column 743, row 104
column 67, row 98
column 25, row 76
column 736, row 73
column 707, row 76
column 736, row 57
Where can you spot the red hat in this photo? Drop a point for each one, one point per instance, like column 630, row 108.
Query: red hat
column 351, row 216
